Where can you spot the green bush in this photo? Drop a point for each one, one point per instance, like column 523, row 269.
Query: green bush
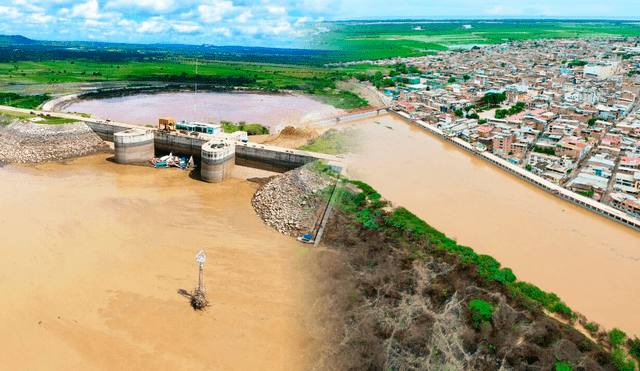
column 374, row 196
column 367, row 189
column 617, row 337
column 561, row 307
column 621, row 362
column 634, row 347
column 561, row 366
column 591, row 327
column 547, row 300
column 481, row 311
column 360, row 199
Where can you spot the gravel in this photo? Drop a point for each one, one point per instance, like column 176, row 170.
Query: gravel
column 26, row 142
column 293, row 202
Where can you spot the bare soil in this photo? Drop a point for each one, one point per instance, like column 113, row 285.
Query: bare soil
column 289, row 137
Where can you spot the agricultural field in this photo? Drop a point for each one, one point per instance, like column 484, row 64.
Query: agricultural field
column 382, row 39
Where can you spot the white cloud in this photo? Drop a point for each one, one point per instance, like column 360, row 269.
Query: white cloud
column 302, row 20
column 244, row 17
column 94, row 23
column 276, row 9
column 90, row 9
column 154, row 25
column 275, row 28
column 127, row 23
column 40, row 18
column 186, row 27
column 29, row 7
column 503, row 10
column 154, row 5
column 221, row 30
column 10, row 12
column 214, row 13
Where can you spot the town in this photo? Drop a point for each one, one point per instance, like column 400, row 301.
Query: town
column 564, row 109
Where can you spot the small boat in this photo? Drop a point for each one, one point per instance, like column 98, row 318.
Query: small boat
column 307, row 238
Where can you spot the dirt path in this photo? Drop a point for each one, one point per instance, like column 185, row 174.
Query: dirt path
column 93, row 254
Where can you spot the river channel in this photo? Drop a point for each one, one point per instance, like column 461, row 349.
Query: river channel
column 94, row 253
column 591, row 262
column 273, row 110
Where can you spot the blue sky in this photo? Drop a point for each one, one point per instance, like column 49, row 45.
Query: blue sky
column 257, row 22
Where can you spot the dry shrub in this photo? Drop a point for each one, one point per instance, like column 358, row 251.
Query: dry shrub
column 199, row 298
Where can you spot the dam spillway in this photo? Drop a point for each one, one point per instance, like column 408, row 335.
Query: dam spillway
column 246, row 153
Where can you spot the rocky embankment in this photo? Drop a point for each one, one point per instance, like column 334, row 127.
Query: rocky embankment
column 293, row 202
column 26, row 142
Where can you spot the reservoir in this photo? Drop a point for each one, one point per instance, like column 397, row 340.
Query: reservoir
column 94, row 253
column 271, row 110
column 590, row 261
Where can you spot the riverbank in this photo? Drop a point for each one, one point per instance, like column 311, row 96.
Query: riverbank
column 398, row 294
column 27, row 142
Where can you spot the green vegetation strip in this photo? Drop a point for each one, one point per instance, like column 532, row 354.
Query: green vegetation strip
column 367, row 212
column 7, row 116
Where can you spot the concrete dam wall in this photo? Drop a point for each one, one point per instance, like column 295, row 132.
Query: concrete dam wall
column 134, row 146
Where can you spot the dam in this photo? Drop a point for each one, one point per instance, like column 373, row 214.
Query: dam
column 137, row 144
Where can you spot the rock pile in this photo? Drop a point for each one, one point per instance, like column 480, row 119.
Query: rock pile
column 25, row 142
column 292, row 202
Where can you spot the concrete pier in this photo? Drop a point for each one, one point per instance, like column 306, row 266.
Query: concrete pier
column 218, row 160
column 133, row 146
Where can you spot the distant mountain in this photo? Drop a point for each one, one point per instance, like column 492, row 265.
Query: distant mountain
column 15, row 39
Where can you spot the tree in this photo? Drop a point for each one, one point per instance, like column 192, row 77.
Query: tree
column 491, row 99
column 474, row 116
column 388, row 82
column 452, row 79
column 592, row 122
column 458, row 113
column 466, row 77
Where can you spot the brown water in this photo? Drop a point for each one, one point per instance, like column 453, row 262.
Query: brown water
column 591, row 262
column 93, row 254
column 269, row 110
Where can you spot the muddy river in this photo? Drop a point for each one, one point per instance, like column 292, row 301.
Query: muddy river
column 93, row 255
column 269, row 110
column 591, row 262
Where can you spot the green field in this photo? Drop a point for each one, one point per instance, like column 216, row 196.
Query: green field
column 373, row 40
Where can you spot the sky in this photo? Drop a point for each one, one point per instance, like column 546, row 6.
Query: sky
column 259, row 22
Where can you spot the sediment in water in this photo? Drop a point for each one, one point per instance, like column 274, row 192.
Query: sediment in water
column 25, row 142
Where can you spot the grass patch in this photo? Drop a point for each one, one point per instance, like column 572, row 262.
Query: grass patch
column 23, row 101
column 334, row 142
